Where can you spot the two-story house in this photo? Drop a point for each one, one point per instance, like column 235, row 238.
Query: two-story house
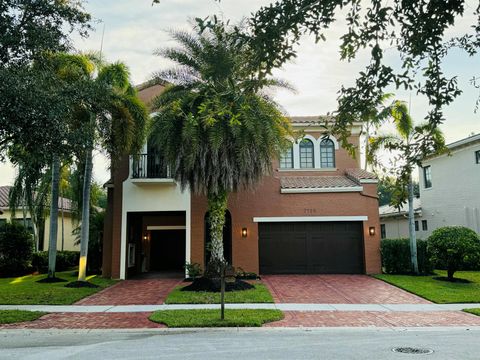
column 316, row 213
column 450, row 186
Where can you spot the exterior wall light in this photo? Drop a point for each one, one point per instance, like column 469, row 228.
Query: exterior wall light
column 371, row 230
column 145, row 237
column 244, row 232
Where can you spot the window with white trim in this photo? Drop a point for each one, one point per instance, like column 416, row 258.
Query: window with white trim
column 327, row 153
column 307, row 159
column 477, row 156
column 286, row 159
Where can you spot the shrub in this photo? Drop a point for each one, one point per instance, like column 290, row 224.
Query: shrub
column 16, row 249
column 194, row 270
column 396, row 256
column 455, row 247
column 65, row 260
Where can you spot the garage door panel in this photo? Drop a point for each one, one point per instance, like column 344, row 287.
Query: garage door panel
column 315, row 247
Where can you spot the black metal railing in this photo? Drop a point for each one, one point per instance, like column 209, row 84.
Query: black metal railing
column 149, row 166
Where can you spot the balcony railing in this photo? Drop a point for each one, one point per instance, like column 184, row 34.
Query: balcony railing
column 149, row 166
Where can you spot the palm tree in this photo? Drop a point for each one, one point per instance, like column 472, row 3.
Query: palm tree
column 408, row 143
column 215, row 127
column 115, row 120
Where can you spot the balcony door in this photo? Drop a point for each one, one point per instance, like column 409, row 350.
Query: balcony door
column 156, row 167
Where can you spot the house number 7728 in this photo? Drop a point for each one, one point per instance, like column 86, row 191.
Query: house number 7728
column 310, row 211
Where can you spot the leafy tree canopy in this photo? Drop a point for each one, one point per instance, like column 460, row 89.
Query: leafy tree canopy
column 416, row 29
column 30, row 27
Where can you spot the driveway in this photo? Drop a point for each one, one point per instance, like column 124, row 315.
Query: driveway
column 336, row 289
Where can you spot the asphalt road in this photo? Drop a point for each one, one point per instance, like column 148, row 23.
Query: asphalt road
column 248, row 344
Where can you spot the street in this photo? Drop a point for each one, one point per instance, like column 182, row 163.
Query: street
column 347, row 343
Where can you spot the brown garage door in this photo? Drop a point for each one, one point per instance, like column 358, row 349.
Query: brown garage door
column 311, row 248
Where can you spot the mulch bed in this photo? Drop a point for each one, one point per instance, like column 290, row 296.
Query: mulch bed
column 213, row 285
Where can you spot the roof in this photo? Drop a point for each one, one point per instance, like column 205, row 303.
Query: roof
column 389, row 210
column 361, row 176
column 316, row 182
column 466, row 141
column 311, row 120
column 5, row 190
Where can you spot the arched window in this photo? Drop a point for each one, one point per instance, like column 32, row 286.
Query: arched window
column 306, row 154
column 286, row 159
column 327, row 153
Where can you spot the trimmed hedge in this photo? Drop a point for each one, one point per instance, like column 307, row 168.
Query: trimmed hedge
column 16, row 248
column 65, row 260
column 396, row 256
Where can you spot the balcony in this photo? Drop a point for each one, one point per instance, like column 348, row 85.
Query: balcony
column 150, row 169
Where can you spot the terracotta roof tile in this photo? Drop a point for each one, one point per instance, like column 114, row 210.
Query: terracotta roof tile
column 309, row 182
column 359, row 174
column 5, row 190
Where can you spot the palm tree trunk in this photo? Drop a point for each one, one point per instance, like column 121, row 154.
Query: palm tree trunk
column 63, row 220
column 52, row 242
column 217, row 206
column 85, row 227
column 411, row 227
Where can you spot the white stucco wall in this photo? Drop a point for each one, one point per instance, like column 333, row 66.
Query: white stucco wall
column 144, row 195
column 454, row 198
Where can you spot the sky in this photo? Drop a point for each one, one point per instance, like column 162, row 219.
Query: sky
column 132, row 30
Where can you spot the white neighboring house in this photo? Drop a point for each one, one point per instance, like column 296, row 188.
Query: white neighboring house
column 449, row 192
column 394, row 222
column 450, row 186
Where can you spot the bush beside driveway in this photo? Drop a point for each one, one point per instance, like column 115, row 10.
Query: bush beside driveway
column 441, row 292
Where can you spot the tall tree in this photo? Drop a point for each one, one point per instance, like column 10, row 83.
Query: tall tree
column 417, row 30
column 113, row 119
column 215, row 127
column 404, row 145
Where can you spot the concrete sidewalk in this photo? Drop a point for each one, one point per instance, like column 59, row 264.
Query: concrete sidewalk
column 283, row 307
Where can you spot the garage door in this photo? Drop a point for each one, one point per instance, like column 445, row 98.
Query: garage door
column 311, row 248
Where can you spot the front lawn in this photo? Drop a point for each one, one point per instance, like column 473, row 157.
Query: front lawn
column 259, row 294
column 473, row 311
column 26, row 291
column 211, row 318
column 441, row 292
column 16, row 316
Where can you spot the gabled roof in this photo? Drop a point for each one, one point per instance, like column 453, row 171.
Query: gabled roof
column 5, row 190
column 391, row 211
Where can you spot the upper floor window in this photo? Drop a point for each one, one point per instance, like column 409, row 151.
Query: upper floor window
column 477, row 156
column 286, row 159
column 306, row 154
column 416, row 225
column 383, row 231
column 427, row 176
column 327, row 153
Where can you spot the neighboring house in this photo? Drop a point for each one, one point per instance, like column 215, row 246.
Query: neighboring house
column 394, row 222
column 450, row 186
column 317, row 213
column 44, row 230
column 449, row 193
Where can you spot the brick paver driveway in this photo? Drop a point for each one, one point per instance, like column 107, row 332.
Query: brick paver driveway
column 336, row 289
column 133, row 292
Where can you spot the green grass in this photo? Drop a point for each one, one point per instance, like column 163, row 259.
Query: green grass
column 26, row 291
column 16, row 316
column 473, row 311
column 258, row 295
column 211, row 318
column 441, row 292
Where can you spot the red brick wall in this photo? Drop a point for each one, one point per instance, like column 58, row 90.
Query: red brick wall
column 267, row 201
